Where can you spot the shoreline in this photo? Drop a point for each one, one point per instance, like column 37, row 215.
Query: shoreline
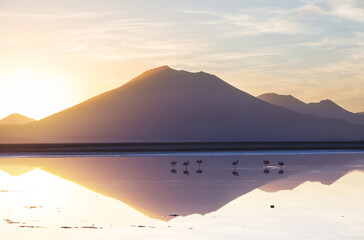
column 165, row 148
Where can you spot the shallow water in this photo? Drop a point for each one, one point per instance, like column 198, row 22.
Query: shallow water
column 313, row 196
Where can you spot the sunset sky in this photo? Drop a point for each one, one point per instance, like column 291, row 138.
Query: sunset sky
column 55, row 54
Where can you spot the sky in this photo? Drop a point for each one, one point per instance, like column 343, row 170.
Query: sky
column 55, row 54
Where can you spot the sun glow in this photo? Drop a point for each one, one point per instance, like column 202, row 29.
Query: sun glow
column 31, row 93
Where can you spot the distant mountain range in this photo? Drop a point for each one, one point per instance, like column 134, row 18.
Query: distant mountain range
column 16, row 119
column 166, row 105
column 325, row 108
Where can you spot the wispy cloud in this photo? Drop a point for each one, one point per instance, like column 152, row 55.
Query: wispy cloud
column 253, row 22
column 348, row 9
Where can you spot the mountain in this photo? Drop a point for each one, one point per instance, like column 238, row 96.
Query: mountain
column 324, row 108
column 166, row 105
column 16, row 119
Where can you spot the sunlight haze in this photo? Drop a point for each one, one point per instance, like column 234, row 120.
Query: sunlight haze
column 55, row 54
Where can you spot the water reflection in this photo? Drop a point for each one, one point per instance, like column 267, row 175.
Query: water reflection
column 147, row 185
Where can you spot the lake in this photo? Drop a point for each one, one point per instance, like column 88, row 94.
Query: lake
column 314, row 195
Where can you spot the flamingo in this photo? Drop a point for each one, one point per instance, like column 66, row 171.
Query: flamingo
column 266, row 171
column 281, row 171
column 266, row 162
column 186, row 172
column 235, row 173
column 236, row 162
column 281, row 164
column 173, row 163
column 199, row 162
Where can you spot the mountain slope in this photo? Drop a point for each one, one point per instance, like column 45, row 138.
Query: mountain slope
column 16, row 119
column 163, row 104
column 324, row 108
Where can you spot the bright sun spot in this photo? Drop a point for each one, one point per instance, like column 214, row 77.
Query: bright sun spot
column 31, row 93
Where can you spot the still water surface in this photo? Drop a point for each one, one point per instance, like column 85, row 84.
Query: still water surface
column 313, row 196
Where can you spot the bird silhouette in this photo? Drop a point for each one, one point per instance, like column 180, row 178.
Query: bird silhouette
column 236, row 162
column 266, row 162
column 186, row 172
column 173, row 163
column 266, row 171
column 281, row 171
column 281, row 164
column 235, row 173
column 199, row 162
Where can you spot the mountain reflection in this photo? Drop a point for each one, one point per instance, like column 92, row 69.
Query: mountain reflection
column 165, row 187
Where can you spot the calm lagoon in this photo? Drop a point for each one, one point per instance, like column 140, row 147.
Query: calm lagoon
column 314, row 195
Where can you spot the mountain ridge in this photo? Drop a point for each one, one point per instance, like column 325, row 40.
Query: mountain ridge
column 166, row 105
column 324, row 108
column 16, row 119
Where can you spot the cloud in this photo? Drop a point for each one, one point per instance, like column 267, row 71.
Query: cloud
column 349, row 9
column 253, row 22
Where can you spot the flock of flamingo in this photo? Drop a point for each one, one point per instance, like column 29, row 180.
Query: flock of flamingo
column 186, row 163
column 234, row 163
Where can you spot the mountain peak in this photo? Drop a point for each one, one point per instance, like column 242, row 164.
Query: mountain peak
column 166, row 78
column 16, row 119
column 325, row 108
column 327, row 101
column 281, row 100
column 157, row 70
